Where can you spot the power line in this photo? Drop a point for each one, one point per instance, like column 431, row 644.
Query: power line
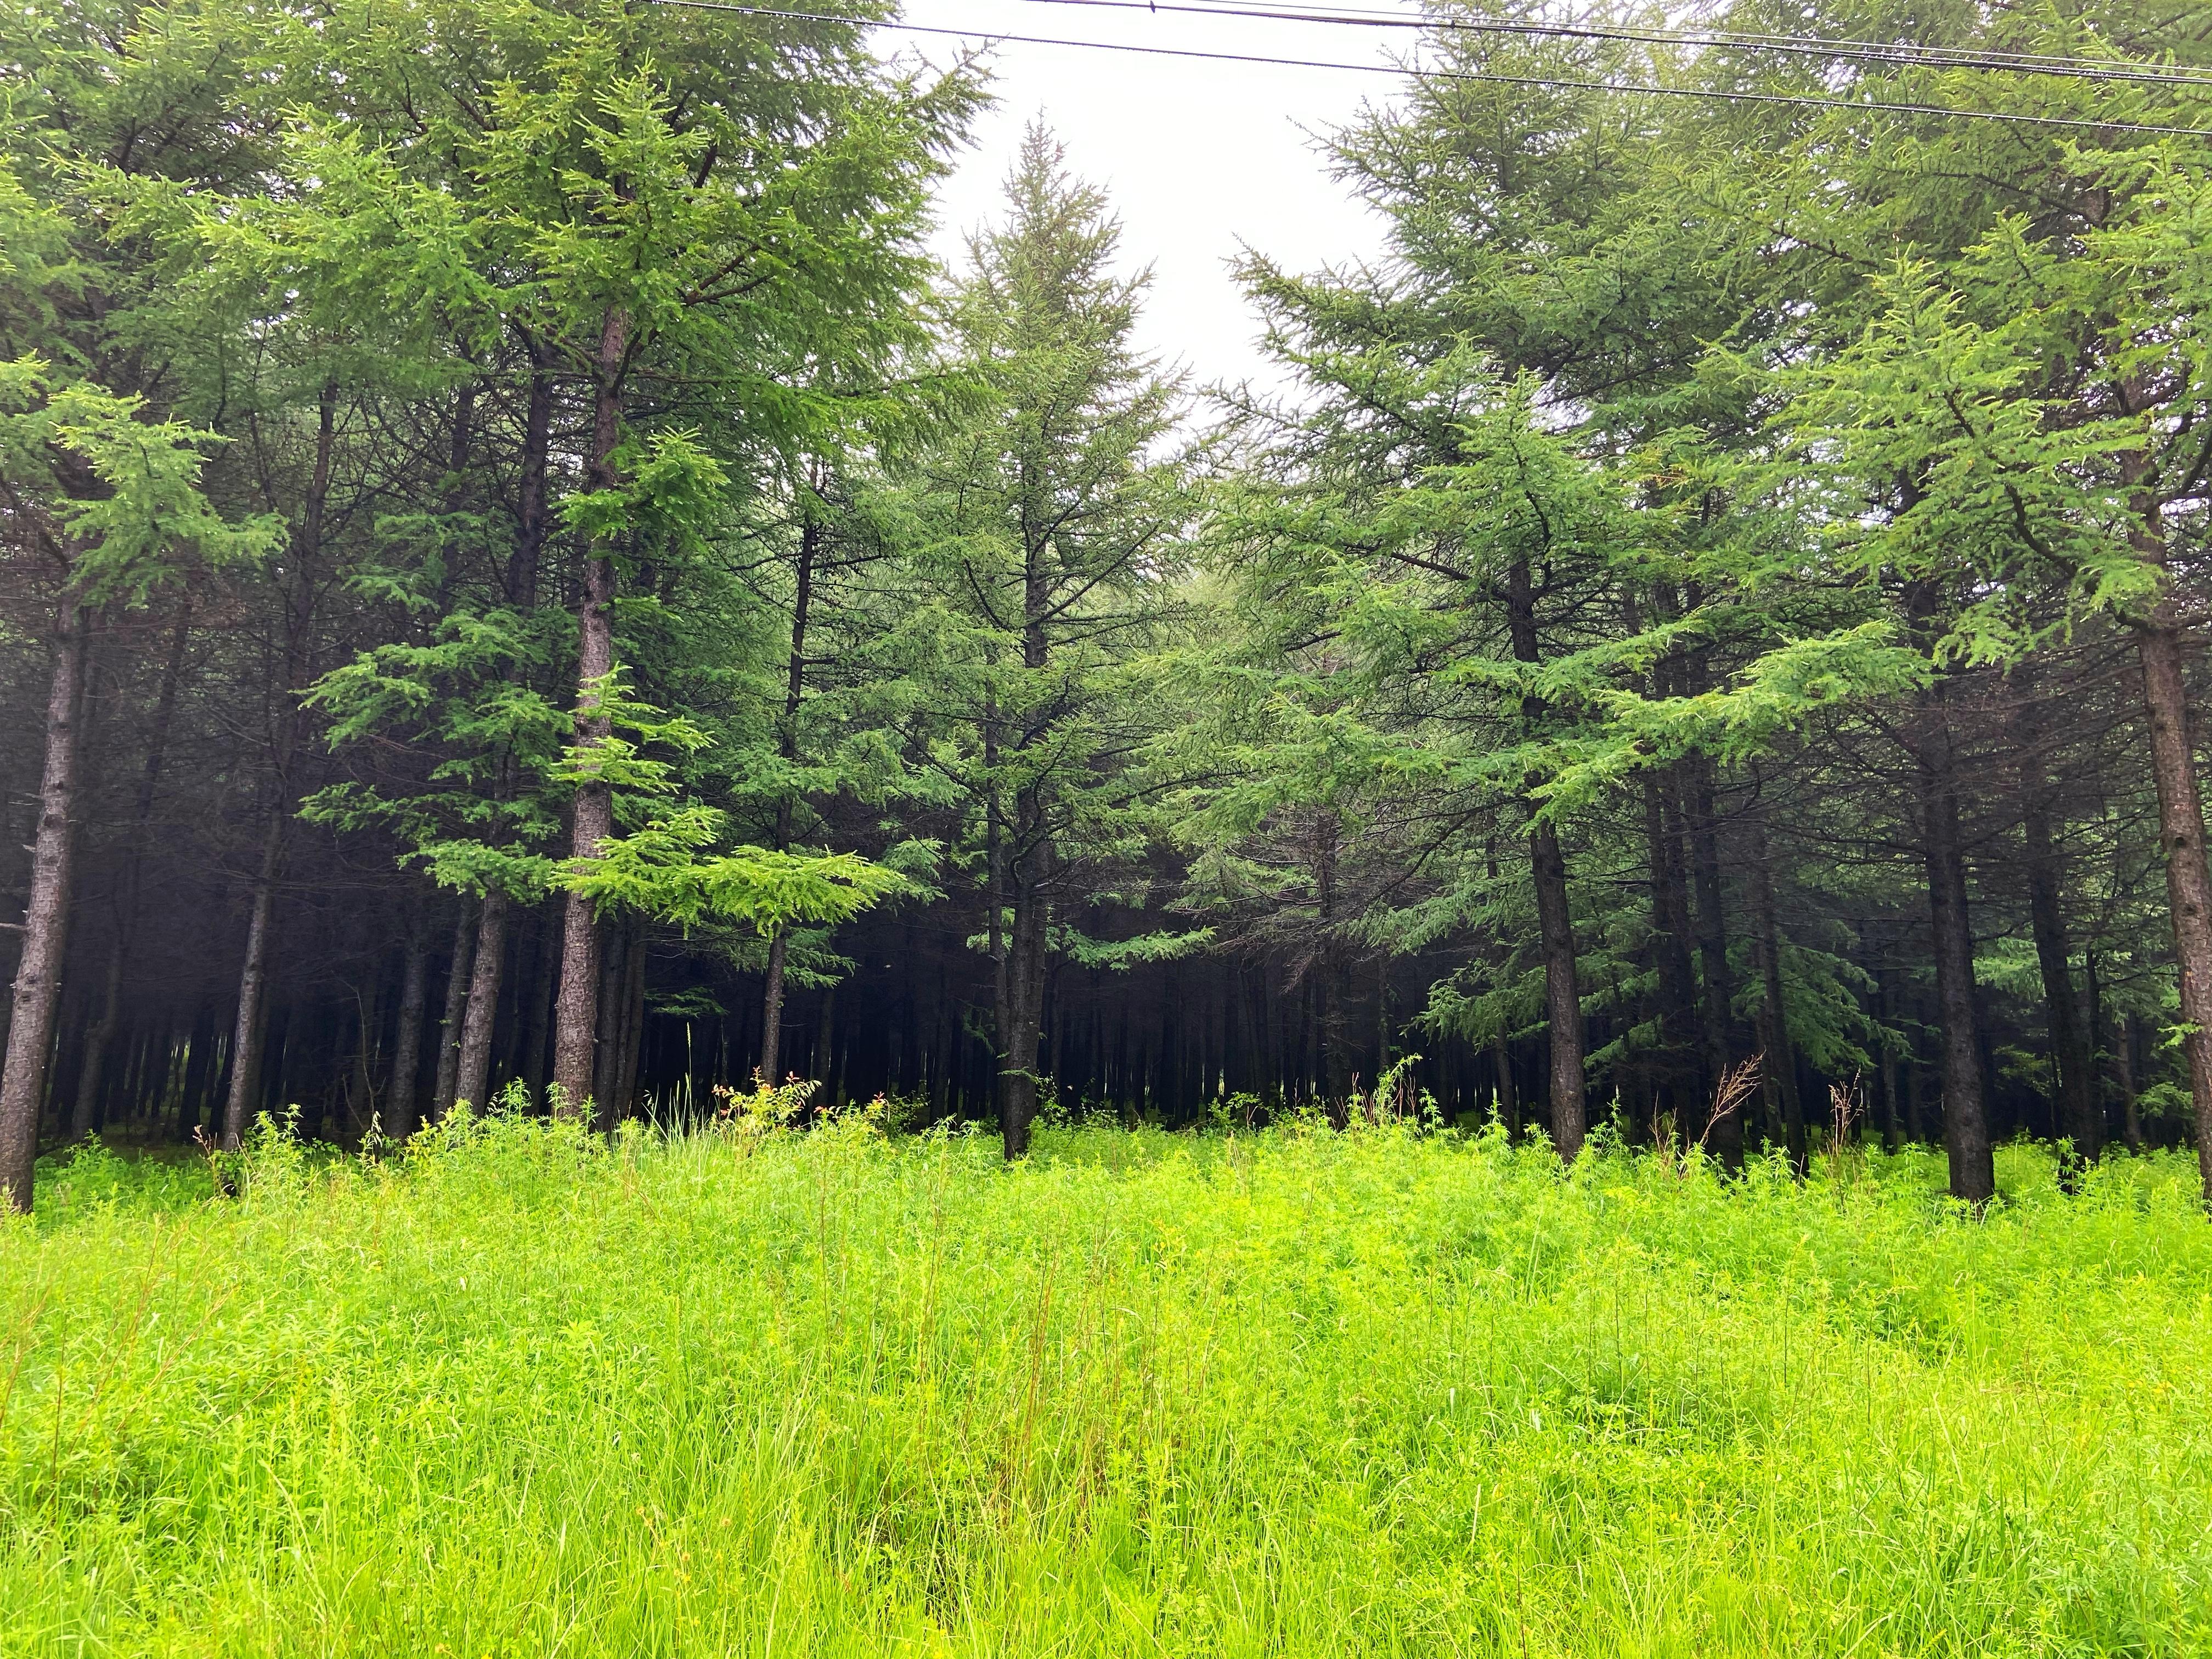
column 1898, row 55
column 1791, row 99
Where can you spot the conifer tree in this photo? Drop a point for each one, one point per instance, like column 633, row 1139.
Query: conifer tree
column 1049, row 525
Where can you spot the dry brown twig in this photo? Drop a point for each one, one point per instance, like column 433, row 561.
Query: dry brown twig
column 1738, row 1084
column 1845, row 1109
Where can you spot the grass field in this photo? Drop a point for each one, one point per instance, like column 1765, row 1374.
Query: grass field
column 1296, row 1392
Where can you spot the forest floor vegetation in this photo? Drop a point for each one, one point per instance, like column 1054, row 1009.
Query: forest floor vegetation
column 518, row 1391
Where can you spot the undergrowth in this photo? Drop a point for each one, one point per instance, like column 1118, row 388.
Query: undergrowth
column 517, row 1391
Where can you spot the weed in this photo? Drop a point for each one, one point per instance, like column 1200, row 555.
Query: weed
column 522, row 1389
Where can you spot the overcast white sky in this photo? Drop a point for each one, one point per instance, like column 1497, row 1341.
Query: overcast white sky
column 1196, row 156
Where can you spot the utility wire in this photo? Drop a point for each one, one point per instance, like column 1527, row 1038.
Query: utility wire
column 1883, row 53
column 1795, row 100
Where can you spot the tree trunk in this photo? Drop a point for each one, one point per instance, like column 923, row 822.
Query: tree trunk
column 786, row 743
column 45, row 916
column 772, row 1014
column 1916, row 1119
column 1509, row 1098
column 2092, row 993
column 576, row 1011
column 1681, row 1064
column 1717, row 1006
column 606, row 1069
column 1781, row 1062
column 2188, row 881
column 537, row 1019
column 1965, row 1122
column 825, row 1051
column 2081, row 1120
column 253, row 987
column 407, row 1043
column 1885, row 1063
column 299, row 626
column 102, row 1039
column 633, row 1024
column 2079, row 1117
column 995, row 882
column 507, row 1055
column 368, row 1032
column 200, row 1061
column 2162, row 647
column 2124, row 1066
column 472, row 1077
column 1563, row 1005
column 534, row 518
column 1025, row 1012
column 1547, row 867
column 448, row 1080
column 1723, row 1138
column 1027, row 864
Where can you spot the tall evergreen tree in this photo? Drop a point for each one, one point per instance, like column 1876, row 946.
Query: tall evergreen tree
column 1050, row 524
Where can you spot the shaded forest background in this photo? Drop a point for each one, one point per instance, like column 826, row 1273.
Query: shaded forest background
column 519, row 571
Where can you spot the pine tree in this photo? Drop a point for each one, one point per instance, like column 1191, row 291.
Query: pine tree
column 1049, row 526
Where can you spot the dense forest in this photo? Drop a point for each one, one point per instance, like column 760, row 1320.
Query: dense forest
column 524, row 582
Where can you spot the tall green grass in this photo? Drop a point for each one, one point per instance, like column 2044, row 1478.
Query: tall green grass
column 518, row 1393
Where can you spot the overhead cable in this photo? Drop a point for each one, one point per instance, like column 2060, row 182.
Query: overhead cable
column 1884, row 54
column 1857, row 106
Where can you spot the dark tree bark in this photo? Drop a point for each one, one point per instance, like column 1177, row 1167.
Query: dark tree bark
column 444, row 1089
column 246, row 1037
column 1716, row 1005
column 1547, row 869
column 1024, row 1007
column 1915, row 1116
column 2188, row 880
column 1723, row 1138
column 1563, row 1005
column 633, row 1023
column 1885, row 1063
column 472, row 1076
column 772, row 1013
column 576, row 1012
column 1680, row 1068
column 101, row 1042
column 2092, row 992
column 306, row 544
column 786, row 741
column 2079, row 1120
column 1509, row 1097
column 486, row 979
column 606, row 1071
column 1330, row 978
column 2124, row 1067
column 825, row 1050
column 360, row 1089
column 533, row 518
column 1028, row 861
column 1965, row 1122
column 45, row 916
column 407, row 1040
column 200, row 1056
column 1781, row 1063
column 1055, row 1029
column 101, row 1038
column 2162, row 646
column 538, row 1016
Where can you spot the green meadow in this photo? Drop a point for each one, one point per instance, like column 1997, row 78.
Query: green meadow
column 519, row 1392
